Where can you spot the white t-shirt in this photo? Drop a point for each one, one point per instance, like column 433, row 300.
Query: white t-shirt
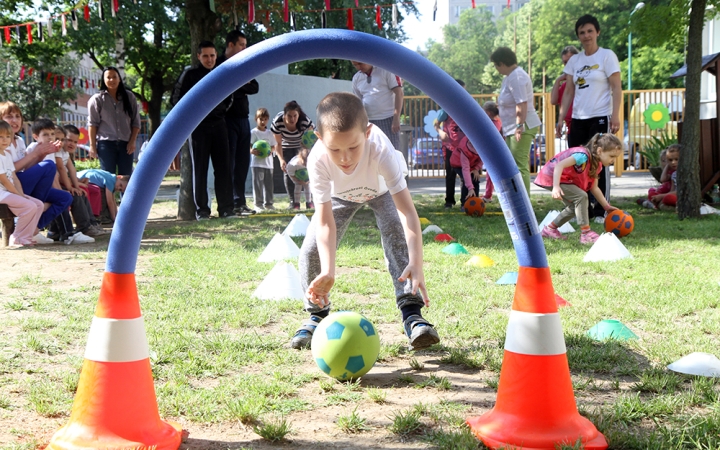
column 258, row 135
column 516, row 88
column 293, row 165
column 7, row 167
column 17, row 149
column 378, row 171
column 51, row 157
column 591, row 75
column 378, row 96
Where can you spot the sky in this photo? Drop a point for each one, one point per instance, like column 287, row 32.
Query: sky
column 419, row 30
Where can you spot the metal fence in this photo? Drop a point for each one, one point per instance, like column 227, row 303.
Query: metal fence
column 634, row 129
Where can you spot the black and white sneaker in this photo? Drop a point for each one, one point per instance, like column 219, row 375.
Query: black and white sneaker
column 244, row 211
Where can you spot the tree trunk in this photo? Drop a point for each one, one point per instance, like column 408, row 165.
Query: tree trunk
column 688, row 172
column 157, row 87
column 186, row 204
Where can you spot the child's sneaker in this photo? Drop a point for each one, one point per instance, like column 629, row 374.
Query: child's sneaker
column 296, row 205
column 420, row 332
column 310, row 205
column 589, row 237
column 303, row 335
column 552, row 233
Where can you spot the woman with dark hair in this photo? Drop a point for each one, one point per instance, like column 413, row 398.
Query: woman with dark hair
column 113, row 124
column 520, row 121
column 289, row 126
column 595, row 91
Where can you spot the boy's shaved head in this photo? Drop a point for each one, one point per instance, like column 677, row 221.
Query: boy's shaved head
column 340, row 112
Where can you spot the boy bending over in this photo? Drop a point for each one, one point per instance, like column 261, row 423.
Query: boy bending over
column 354, row 164
column 107, row 181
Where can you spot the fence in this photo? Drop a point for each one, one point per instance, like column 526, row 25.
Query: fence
column 425, row 157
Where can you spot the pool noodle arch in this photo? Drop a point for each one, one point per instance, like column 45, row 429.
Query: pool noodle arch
column 312, row 44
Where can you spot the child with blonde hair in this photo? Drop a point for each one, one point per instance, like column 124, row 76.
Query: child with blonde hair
column 27, row 209
column 571, row 175
column 665, row 197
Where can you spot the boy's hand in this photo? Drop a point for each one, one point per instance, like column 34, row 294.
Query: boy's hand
column 47, row 148
column 319, row 290
column 557, row 193
column 77, row 191
column 418, row 281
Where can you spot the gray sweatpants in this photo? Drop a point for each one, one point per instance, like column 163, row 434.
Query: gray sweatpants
column 262, row 179
column 576, row 205
column 393, row 242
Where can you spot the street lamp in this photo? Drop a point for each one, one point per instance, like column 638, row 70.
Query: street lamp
column 637, row 7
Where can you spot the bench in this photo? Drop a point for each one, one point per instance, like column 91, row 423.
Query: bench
column 8, row 224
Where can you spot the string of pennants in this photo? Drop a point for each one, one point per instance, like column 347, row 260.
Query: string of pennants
column 58, row 81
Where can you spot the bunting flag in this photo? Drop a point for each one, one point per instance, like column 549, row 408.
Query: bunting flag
column 212, row 5
column 327, row 4
column 49, row 27
column 28, row 27
column 22, row 73
column 323, row 20
column 235, row 19
column 74, row 20
column 7, row 35
column 30, row 72
column 116, row 7
column 435, row 10
column 473, row 4
column 101, row 11
column 394, row 15
column 357, row 5
column 378, row 19
column 49, row 76
column 87, row 84
column 17, row 33
column 40, row 32
column 64, row 25
column 350, row 22
column 86, row 13
column 508, row 5
column 267, row 17
column 285, row 11
column 292, row 21
column 251, row 11
column 55, row 81
column 62, row 81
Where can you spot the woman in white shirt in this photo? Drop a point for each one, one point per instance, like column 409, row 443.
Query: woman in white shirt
column 520, row 122
column 595, row 94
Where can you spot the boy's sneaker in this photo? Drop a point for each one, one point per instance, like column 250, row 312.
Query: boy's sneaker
column 269, row 207
column 310, row 205
column 296, row 205
column 79, row 238
column 203, row 217
column 420, row 332
column 303, row 335
column 243, row 211
column 589, row 237
column 648, row 204
column 42, row 240
column 228, row 215
column 552, row 233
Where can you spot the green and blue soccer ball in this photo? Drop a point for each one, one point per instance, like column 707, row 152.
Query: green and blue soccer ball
column 302, row 174
column 263, row 148
column 309, row 138
column 345, row 345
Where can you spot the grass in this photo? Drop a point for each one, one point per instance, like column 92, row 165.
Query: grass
column 220, row 356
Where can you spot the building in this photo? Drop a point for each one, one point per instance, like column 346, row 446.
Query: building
column 76, row 111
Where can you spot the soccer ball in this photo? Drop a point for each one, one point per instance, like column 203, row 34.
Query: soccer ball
column 302, row 174
column 308, row 139
column 263, row 148
column 474, row 206
column 620, row 223
column 345, row 345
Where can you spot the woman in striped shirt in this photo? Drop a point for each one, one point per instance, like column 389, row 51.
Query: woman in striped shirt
column 289, row 126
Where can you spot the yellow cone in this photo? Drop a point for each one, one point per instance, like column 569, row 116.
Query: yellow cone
column 480, row 261
column 424, row 221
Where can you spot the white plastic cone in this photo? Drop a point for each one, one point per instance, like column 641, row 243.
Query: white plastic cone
column 432, row 229
column 280, row 248
column 707, row 209
column 283, row 282
column 298, row 226
column 607, row 248
column 703, row 364
column 565, row 228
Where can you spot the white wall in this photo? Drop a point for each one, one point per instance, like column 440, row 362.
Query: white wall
column 710, row 45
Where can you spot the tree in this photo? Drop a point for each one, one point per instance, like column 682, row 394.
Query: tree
column 466, row 46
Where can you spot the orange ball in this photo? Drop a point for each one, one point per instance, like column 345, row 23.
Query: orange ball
column 620, row 223
column 474, row 206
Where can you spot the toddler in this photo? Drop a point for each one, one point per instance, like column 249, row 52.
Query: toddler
column 491, row 109
column 464, row 160
column 26, row 209
column 297, row 164
column 262, row 168
column 665, row 196
column 571, row 175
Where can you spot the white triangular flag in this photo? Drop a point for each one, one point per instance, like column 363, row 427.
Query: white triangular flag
column 607, row 248
column 698, row 363
column 280, row 248
column 432, row 229
column 707, row 209
column 565, row 228
column 283, row 282
column 298, row 226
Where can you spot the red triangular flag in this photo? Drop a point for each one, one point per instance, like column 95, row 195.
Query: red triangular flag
column 7, row 35
column 350, row 23
column 29, row 32
column 285, row 10
column 357, row 5
column 69, row 82
column 116, row 6
column 93, row 84
column 55, row 81
column 473, row 4
column 22, row 73
column 87, row 84
column 378, row 19
column 251, row 11
column 47, row 80
column 30, row 72
column 327, row 4
column 62, row 81
column 267, row 17
column 86, row 13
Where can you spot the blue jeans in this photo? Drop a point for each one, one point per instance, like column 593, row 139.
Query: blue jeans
column 114, row 157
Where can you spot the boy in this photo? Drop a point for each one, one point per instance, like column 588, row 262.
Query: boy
column 353, row 164
column 262, row 168
column 61, row 227
column 109, row 182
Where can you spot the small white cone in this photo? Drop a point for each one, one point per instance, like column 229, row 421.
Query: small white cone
column 703, row 364
column 432, row 229
column 283, row 282
column 607, row 248
column 707, row 209
column 280, row 248
column 298, row 226
column 565, row 228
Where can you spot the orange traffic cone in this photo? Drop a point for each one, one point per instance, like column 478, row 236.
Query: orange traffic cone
column 115, row 405
column 535, row 407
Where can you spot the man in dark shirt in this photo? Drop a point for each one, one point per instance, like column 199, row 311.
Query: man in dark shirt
column 209, row 141
column 238, row 125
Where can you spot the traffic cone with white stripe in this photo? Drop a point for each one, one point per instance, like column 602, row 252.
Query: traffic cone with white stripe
column 115, row 405
column 535, row 407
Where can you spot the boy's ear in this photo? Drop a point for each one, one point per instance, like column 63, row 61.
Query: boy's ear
column 317, row 134
column 367, row 132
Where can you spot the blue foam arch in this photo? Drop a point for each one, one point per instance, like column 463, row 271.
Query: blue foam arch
column 313, row 44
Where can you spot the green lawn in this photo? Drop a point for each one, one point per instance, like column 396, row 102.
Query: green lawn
column 221, row 357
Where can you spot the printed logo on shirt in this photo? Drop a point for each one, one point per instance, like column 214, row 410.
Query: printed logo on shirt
column 583, row 73
column 359, row 194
